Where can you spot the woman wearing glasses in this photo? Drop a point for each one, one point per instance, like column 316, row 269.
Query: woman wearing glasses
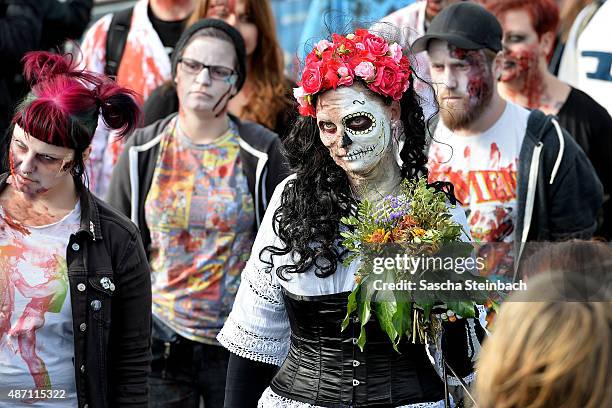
column 197, row 184
column 266, row 97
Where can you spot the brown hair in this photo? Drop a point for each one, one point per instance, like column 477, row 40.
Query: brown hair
column 269, row 96
column 547, row 354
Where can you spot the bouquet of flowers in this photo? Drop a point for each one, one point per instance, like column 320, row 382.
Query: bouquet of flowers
column 416, row 224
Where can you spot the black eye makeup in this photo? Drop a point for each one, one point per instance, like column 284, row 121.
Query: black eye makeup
column 359, row 123
column 514, row 38
column 48, row 159
column 44, row 158
column 327, row 127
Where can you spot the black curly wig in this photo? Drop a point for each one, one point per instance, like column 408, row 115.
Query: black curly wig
column 308, row 219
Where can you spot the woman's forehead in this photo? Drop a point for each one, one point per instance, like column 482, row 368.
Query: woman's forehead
column 38, row 145
column 201, row 46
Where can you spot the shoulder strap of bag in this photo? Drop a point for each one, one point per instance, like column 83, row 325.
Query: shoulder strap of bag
column 116, row 40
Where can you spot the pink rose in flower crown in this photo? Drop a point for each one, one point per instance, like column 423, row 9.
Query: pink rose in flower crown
column 323, row 45
column 376, row 45
column 366, row 71
column 300, row 96
column 346, row 78
column 305, row 109
column 390, row 80
column 311, row 79
column 396, row 52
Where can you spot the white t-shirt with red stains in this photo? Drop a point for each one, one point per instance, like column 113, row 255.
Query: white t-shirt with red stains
column 36, row 335
column 483, row 169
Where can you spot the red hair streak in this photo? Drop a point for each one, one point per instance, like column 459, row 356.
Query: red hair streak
column 63, row 106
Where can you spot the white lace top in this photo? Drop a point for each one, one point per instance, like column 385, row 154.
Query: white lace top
column 258, row 326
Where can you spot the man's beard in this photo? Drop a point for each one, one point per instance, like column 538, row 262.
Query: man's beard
column 474, row 103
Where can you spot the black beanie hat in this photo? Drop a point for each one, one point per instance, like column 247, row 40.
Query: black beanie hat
column 221, row 25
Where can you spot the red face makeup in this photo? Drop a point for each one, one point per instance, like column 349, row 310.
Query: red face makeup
column 463, row 81
column 523, row 53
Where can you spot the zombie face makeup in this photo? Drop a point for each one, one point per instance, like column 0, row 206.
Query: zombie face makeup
column 38, row 167
column 198, row 88
column 524, row 54
column 354, row 126
column 463, row 81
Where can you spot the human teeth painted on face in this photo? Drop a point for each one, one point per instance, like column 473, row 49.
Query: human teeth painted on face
column 353, row 125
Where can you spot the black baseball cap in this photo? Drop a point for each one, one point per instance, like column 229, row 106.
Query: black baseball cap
column 464, row 25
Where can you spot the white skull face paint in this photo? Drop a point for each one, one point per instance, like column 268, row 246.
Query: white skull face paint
column 354, row 126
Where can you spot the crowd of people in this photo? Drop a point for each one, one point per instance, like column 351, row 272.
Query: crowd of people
column 172, row 205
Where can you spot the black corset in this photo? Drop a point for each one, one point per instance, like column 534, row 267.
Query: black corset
column 325, row 366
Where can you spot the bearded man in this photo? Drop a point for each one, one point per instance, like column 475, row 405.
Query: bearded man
column 518, row 174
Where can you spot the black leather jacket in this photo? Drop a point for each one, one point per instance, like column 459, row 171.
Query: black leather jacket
column 110, row 293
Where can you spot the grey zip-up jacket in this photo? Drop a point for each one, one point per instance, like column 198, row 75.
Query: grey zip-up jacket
column 263, row 166
column 558, row 193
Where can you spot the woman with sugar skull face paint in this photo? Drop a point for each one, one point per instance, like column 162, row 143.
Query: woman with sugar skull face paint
column 75, row 287
column 356, row 98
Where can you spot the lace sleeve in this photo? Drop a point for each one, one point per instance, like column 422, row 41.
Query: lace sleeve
column 258, row 327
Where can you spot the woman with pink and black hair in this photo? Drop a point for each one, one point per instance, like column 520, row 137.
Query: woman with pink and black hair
column 75, row 290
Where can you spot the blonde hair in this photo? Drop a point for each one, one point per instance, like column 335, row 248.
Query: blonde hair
column 270, row 96
column 544, row 354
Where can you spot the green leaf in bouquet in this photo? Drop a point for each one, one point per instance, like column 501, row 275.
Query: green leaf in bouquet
column 402, row 321
column 349, row 220
column 350, row 258
column 351, row 306
column 364, row 308
column 365, row 311
column 384, row 313
column 347, row 235
column 427, row 307
column 464, row 309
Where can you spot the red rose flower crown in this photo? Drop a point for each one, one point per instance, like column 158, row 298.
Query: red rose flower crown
column 362, row 55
